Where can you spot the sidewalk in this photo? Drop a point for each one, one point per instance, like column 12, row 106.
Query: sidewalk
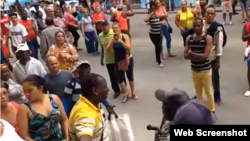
column 145, row 11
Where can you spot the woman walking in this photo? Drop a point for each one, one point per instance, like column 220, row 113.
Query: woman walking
column 161, row 13
column 72, row 25
column 124, row 61
column 155, row 34
column 89, row 33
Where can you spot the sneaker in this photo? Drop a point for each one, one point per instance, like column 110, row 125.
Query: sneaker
column 247, row 93
column 217, row 101
column 161, row 65
column 214, row 117
column 116, row 95
column 230, row 23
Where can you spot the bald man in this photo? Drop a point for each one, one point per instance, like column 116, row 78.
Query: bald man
column 56, row 79
column 50, row 11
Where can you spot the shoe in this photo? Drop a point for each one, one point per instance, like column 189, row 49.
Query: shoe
column 161, row 65
column 217, row 101
column 235, row 13
column 214, row 117
column 116, row 95
column 230, row 23
column 247, row 93
column 194, row 97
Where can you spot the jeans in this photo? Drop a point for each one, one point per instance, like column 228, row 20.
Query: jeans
column 216, row 82
column 113, row 77
column 186, row 33
column 203, row 80
column 75, row 34
column 156, row 40
column 167, row 36
column 91, row 41
column 33, row 45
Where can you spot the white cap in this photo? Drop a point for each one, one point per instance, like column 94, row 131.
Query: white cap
column 22, row 47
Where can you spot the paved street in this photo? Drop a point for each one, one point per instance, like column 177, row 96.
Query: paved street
column 177, row 73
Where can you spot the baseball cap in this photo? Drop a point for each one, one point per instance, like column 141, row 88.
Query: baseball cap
column 174, row 94
column 105, row 23
column 22, row 47
column 78, row 64
column 193, row 112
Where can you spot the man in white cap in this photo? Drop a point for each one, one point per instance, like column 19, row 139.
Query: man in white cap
column 26, row 65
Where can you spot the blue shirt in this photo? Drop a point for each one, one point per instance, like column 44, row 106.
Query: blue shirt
column 79, row 16
column 120, row 51
column 2, row 57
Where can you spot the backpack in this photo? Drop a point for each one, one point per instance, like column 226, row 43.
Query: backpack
column 213, row 28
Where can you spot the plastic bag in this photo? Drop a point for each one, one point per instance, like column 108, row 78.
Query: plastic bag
column 119, row 127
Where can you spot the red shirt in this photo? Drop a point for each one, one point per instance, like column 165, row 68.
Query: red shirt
column 29, row 27
column 4, row 21
column 97, row 17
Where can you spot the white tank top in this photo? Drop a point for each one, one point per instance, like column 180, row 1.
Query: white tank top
column 9, row 133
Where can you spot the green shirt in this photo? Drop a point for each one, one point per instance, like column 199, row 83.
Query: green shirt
column 104, row 40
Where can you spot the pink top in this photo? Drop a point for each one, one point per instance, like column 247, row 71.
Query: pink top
column 69, row 19
column 161, row 11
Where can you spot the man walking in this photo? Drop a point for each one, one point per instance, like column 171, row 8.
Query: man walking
column 104, row 38
column 48, row 36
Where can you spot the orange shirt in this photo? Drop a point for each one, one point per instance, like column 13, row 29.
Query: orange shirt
column 29, row 27
column 5, row 20
column 16, row 107
column 97, row 17
column 121, row 20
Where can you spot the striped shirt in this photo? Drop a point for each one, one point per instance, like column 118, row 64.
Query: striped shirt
column 199, row 47
column 155, row 25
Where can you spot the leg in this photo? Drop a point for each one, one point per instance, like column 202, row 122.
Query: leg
column 113, row 79
column 230, row 11
column 168, row 39
column 198, row 85
column 156, row 39
column 206, row 77
column 224, row 11
column 130, row 76
column 247, row 93
column 122, row 81
column 216, row 83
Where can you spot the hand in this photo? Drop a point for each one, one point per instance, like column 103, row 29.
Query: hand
column 182, row 30
column 102, row 63
column 76, row 26
column 119, row 41
column 216, row 65
column 110, row 108
column 64, row 54
column 157, row 136
column 190, row 52
column 83, row 35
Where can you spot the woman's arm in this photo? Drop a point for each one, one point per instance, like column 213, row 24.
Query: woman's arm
column 148, row 17
column 63, row 117
column 126, row 44
column 23, row 123
column 197, row 9
column 73, row 56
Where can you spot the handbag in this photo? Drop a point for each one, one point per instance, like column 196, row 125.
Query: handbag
column 119, row 127
column 123, row 65
column 170, row 29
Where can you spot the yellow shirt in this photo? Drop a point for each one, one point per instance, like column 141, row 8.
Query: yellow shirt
column 86, row 119
column 186, row 19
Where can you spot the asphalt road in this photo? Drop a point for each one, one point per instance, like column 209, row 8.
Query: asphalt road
column 177, row 73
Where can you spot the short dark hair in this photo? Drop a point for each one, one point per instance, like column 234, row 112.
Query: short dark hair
column 5, row 85
column 49, row 21
column 13, row 14
column 92, row 81
column 198, row 19
column 26, row 3
column 211, row 8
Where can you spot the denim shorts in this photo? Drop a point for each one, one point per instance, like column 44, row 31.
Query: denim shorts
column 244, row 4
column 248, row 62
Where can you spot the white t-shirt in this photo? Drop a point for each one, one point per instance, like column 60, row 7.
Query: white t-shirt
column 40, row 9
column 113, row 9
column 6, row 6
column 17, row 33
column 9, row 133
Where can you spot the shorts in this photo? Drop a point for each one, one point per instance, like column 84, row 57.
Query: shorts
column 244, row 4
column 248, row 63
column 129, row 72
column 227, row 6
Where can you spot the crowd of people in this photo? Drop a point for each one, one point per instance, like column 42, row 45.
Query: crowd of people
column 64, row 102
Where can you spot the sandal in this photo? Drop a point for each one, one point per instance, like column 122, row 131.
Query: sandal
column 125, row 98
column 135, row 97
